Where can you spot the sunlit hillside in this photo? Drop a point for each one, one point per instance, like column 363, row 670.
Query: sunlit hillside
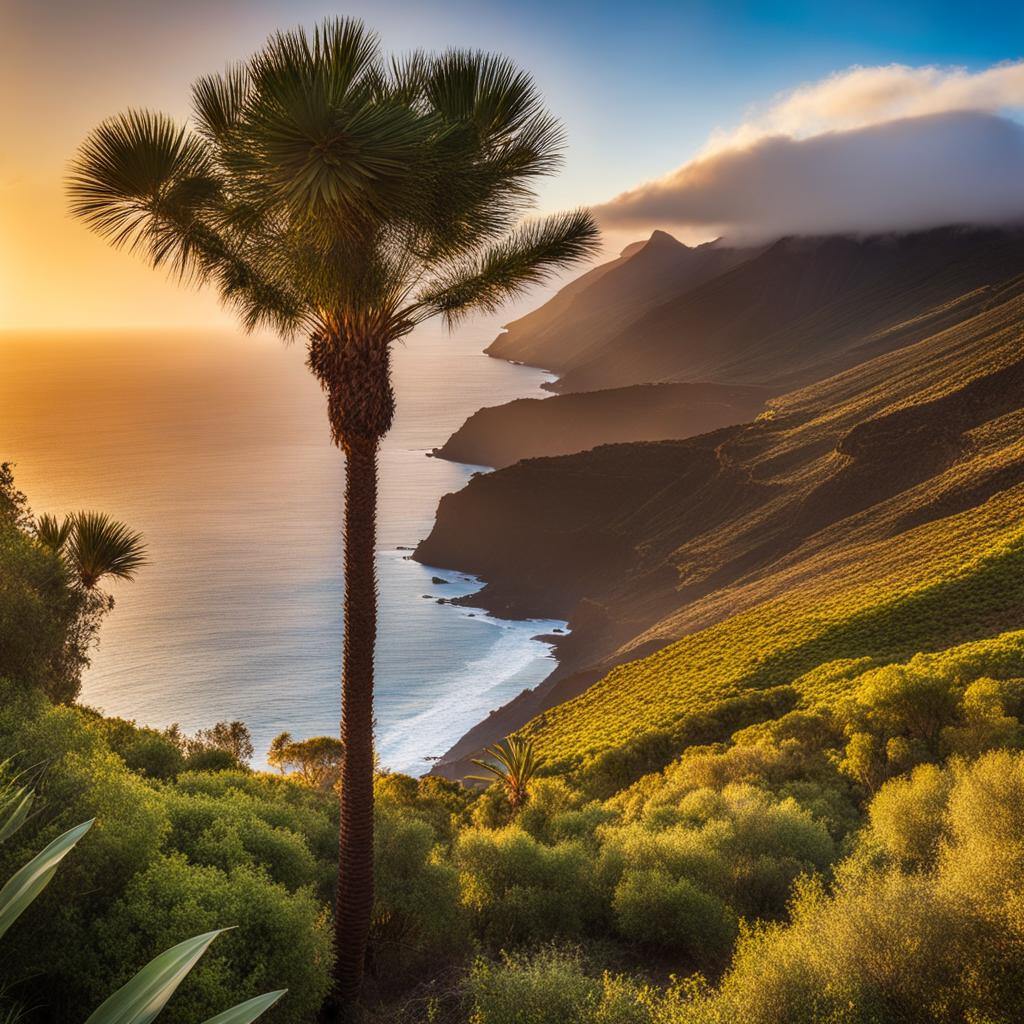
column 884, row 518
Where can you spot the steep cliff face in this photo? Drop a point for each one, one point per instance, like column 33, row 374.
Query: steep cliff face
column 639, row 545
column 530, row 428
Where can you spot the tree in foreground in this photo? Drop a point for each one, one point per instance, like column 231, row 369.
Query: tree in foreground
column 343, row 198
column 513, row 765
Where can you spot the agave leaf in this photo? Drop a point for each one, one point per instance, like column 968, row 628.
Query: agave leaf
column 27, row 883
column 15, row 812
column 147, row 993
column 245, row 1013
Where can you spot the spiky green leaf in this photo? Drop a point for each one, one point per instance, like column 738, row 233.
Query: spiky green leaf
column 245, row 1013
column 142, row 998
column 27, row 883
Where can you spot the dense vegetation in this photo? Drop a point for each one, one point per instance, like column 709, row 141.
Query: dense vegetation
column 845, row 845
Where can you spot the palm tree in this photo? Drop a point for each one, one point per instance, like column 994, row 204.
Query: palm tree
column 93, row 546
column 514, row 766
column 343, row 198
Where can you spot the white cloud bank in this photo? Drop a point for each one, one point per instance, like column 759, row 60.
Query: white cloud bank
column 869, row 149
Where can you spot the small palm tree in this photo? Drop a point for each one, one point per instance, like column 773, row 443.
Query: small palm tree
column 93, row 546
column 52, row 532
column 514, row 766
column 338, row 196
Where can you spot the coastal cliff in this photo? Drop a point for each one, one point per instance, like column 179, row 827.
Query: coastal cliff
column 529, row 427
column 639, row 544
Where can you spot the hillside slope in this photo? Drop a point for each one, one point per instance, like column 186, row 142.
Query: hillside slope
column 800, row 311
column 876, row 512
column 592, row 309
column 531, row 427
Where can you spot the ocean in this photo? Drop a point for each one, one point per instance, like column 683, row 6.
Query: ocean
column 216, row 447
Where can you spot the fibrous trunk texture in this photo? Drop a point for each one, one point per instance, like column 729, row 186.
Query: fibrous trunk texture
column 356, row 375
column 354, row 904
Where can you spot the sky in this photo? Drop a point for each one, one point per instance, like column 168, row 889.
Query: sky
column 704, row 118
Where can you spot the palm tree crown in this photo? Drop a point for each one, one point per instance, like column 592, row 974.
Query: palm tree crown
column 93, row 545
column 514, row 765
column 328, row 193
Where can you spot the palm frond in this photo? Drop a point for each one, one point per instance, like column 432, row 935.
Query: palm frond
column 218, row 102
column 485, row 91
column 514, row 765
column 100, row 546
column 52, row 532
column 526, row 257
column 127, row 174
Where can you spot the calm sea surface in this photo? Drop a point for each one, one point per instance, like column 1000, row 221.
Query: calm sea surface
column 217, row 448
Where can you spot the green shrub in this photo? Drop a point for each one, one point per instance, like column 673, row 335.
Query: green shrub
column 551, row 986
column 441, row 803
column 743, row 845
column 991, row 718
column 418, row 919
column 549, row 799
column 282, row 939
column 147, row 751
column 674, row 914
column 907, row 816
column 228, row 833
column 936, row 937
column 130, row 892
column 519, row 890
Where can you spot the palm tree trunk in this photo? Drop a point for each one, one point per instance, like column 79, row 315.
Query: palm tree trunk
column 354, row 904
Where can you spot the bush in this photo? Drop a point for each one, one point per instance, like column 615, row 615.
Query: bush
column 655, row 909
column 228, row 833
column 418, row 919
column 147, row 751
column 283, row 939
column 907, row 816
column 551, row 986
column 47, row 624
column 935, row 938
column 549, row 800
column 991, row 718
column 742, row 845
column 130, row 891
column 439, row 802
column 518, row 890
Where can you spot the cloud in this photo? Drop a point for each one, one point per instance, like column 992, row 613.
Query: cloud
column 862, row 96
column 871, row 149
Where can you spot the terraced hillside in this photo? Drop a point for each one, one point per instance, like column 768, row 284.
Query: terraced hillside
column 872, row 515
